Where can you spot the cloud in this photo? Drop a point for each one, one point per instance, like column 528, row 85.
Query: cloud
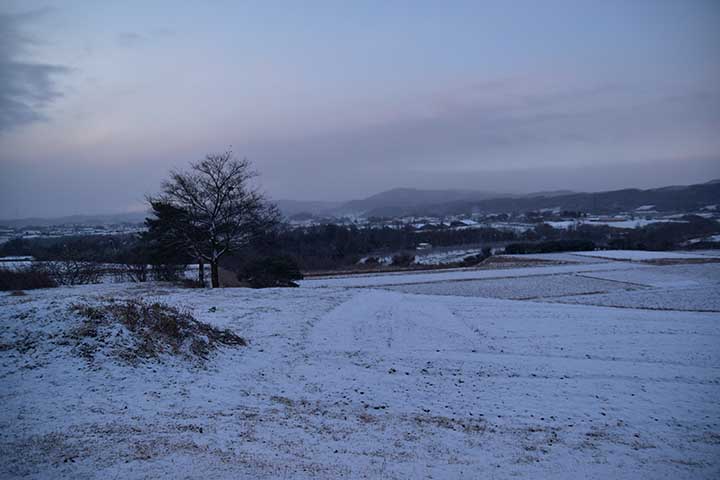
column 534, row 125
column 490, row 135
column 26, row 88
column 130, row 39
column 135, row 39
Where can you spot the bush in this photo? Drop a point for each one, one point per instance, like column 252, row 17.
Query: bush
column 147, row 331
column 473, row 260
column 550, row 247
column 189, row 283
column 271, row 271
column 372, row 261
column 27, row 278
column 134, row 272
column 73, row 272
column 166, row 272
column 403, row 260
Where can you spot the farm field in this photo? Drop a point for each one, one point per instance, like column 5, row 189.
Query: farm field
column 508, row 373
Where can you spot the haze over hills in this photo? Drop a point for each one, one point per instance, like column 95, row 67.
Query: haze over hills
column 412, row 198
column 410, row 201
column 402, row 199
column 110, row 219
column 311, row 207
column 671, row 198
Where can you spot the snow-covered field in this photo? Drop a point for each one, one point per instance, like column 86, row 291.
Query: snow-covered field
column 414, row 375
column 639, row 255
column 620, row 223
column 445, row 256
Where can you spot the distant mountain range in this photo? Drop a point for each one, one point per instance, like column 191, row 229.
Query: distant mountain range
column 295, row 207
column 409, row 198
column 411, row 201
column 666, row 199
column 111, row 219
column 401, row 199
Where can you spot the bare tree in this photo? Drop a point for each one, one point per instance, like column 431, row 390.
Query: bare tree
column 73, row 271
column 137, row 272
column 222, row 211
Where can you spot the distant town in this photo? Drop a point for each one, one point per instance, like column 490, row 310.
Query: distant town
column 67, row 230
column 518, row 222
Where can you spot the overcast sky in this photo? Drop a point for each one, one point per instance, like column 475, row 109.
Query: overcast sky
column 338, row 100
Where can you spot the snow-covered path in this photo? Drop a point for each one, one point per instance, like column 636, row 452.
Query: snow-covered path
column 365, row 383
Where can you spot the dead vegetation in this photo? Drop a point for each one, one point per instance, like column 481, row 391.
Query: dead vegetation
column 502, row 261
column 467, row 425
column 26, row 278
column 136, row 331
column 681, row 261
column 23, row 344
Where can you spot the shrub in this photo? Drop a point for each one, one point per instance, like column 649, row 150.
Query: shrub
column 403, row 260
column 27, row 278
column 473, row 260
column 167, row 272
column 271, row 271
column 190, row 283
column 73, row 272
column 550, row 247
column 135, row 272
column 150, row 330
column 140, row 264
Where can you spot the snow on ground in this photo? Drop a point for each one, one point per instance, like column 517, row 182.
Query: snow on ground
column 531, row 287
column 445, row 256
column 633, row 222
column 711, row 238
column 693, row 287
column 436, row 256
column 669, row 276
column 406, row 278
column 628, row 223
column 570, row 257
column 700, row 299
column 639, row 255
column 564, row 224
column 353, row 382
column 15, row 262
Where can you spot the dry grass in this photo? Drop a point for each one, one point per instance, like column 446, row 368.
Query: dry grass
column 136, row 330
column 26, row 278
column 681, row 261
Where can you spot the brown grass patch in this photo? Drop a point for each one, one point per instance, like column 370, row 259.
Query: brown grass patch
column 135, row 330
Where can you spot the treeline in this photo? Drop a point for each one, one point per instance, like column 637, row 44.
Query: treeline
column 552, row 246
column 91, row 248
column 328, row 247
column 666, row 236
column 313, row 248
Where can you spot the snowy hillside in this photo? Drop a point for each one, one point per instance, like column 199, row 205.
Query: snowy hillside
column 511, row 373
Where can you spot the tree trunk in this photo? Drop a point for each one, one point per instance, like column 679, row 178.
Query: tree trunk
column 201, row 272
column 214, row 274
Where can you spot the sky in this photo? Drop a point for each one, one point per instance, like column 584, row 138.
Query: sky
column 340, row 100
